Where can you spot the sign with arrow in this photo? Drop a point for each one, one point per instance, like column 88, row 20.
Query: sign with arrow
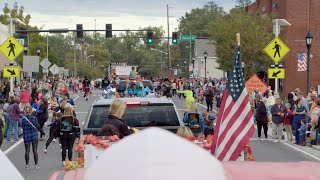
column 274, row 73
column 9, row 72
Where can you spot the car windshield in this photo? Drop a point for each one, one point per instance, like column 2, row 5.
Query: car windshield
column 138, row 116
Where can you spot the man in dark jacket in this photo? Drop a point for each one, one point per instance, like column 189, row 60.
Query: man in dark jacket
column 118, row 123
column 209, row 97
column 261, row 116
column 278, row 112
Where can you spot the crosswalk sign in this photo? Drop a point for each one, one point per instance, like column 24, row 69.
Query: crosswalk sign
column 276, row 73
column 276, row 50
column 11, row 48
column 9, row 72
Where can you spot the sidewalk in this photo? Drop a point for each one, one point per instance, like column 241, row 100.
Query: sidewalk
column 313, row 151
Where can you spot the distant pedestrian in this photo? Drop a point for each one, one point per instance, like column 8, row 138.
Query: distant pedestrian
column 42, row 114
column 261, row 116
column 208, row 93
column 287, row 122
column 278, row 112
column 53, row 133
column 14, row 119
column 299, row 114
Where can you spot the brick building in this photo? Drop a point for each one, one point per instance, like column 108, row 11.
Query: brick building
column 303, row 15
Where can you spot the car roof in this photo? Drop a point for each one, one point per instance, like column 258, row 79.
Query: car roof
column 150, row 100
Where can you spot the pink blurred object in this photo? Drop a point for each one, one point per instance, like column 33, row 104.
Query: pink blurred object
column 68, row 175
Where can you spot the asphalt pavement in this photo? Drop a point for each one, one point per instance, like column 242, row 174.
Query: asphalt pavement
column 264, row 150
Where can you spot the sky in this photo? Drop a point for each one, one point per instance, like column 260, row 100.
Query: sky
column 122, row 14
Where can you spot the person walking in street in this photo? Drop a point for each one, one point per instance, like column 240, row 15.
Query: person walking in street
column 299, row 113
column 287, row 122
column 261, row 116
column 42, row 114
column 278, row 112
column 30, row 126
column 14, row 119
column 53, row 133
column 68, row 128
column 209, row 98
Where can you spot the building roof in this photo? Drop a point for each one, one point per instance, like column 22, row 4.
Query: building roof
column 202, row 45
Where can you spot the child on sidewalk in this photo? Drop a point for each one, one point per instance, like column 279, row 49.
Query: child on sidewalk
column 53, row 129
column 302, row 132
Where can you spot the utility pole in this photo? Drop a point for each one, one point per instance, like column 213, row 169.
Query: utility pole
column 75, row 58
column 190, row 55
column 168, row 44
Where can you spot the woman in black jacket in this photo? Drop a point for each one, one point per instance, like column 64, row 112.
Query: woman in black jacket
column 117, row 109
column 42, row 114
column 261, row 116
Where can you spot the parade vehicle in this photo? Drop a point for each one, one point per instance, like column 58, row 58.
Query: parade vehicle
column 140, row 113
column 123, row 86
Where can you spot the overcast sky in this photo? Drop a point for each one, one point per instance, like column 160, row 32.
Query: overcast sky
column 122, row 14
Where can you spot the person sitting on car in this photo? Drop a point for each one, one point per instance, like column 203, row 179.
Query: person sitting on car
column 133, row 73
column 117, row 109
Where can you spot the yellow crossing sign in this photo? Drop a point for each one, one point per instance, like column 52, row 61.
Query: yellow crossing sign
column 11, row 72
column 276, row 50
column 274, row 73
column 11, row 48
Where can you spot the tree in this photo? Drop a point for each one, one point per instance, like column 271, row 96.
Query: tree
column 243, row 3
column 256, row 33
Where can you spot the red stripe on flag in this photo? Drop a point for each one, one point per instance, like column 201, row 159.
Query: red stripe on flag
column 232, row 120
column 232, row 139
column 220, row 115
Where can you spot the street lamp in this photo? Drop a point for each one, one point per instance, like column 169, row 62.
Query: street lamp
column 309, row 38
column 161, row 52
column 205, row 64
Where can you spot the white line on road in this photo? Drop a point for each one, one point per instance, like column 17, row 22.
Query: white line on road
column 20, row 141
column 206, row 107
column 81, row 112
column 13, row 146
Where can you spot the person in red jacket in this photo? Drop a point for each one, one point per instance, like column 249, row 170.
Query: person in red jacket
column 25, row 97
column 287, row 122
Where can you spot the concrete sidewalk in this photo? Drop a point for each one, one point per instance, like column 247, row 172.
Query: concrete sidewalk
column 313, row 151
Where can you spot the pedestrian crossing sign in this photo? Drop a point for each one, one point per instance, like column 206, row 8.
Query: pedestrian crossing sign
column 11, row 48
column 276, row 49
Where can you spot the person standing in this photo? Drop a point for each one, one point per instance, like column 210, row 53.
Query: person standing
column 14, row 119
column 42, row 114
column 261, row 116
column 30, row 126
column 278, row 112
column 299, row 113
column 6, row 115
column 209, row 98
column 287, row 122
column 25, row 97
column 68, row 132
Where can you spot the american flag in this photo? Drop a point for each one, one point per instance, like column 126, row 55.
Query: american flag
column 302, row 62
column 235, row 124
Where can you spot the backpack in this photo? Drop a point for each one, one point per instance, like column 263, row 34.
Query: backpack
column 66, row 126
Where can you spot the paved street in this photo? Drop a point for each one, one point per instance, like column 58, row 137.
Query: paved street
column 51, row 162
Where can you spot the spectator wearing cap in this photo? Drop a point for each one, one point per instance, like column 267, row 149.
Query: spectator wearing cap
column 25, row 97
column 208, row 120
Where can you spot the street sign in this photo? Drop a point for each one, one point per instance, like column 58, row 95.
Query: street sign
column 256, row 83
column 12, row 71
column 23, row 41
column 276, row 50
column 187, row 38
column 30, row 63
column 45, row 63
column 11, row 48
column 274, row 73
column 54, row 69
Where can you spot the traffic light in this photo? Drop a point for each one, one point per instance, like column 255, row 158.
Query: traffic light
column 149, row 37
column 108, row 30
column 174, row 37
column 79, row 31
